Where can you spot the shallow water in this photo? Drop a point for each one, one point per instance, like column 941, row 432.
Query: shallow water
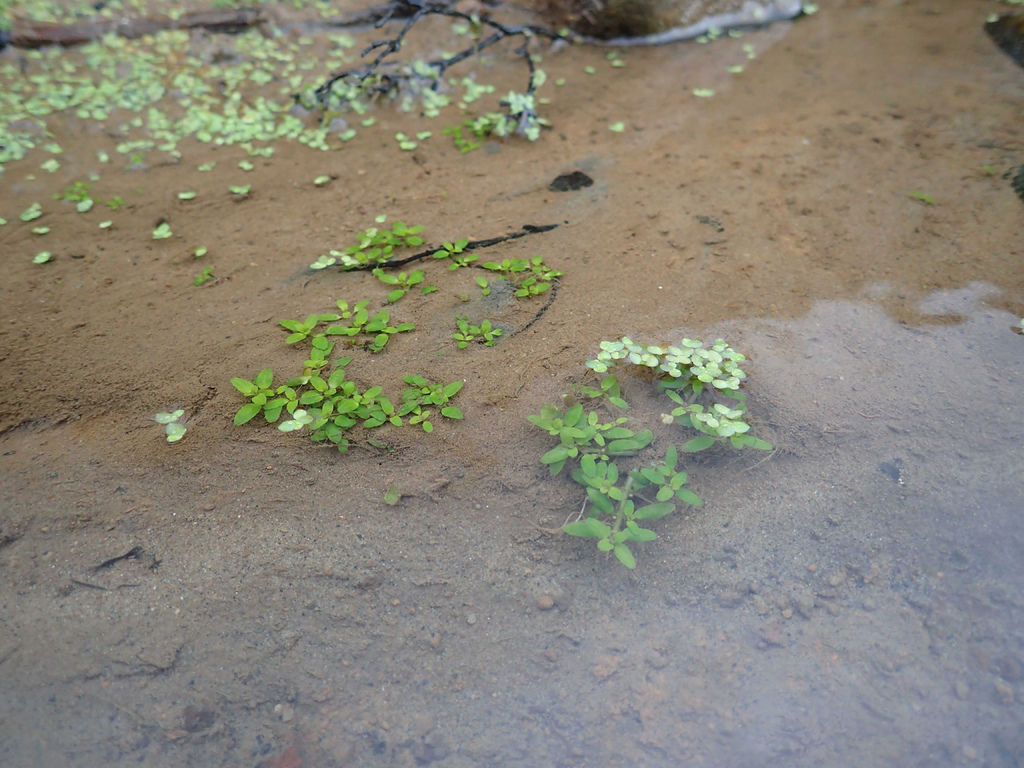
column 853, row 597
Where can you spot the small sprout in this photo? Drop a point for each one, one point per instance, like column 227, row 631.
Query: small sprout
column 703, row 93
column 205, row 276
column 42, row 257
column 199, row 252
column 392, row 495
column 40, row 230
column 735, row 69
column 923, row 198
column 299, row 419
column 245, row 165
column 207, row 166
column 187, row 195
column 50, row 166
column 589, row 70
column 162, row 232
column 115, row 202
column 83, row 206
column 34, row 211
column 618, row 127
column 321, row 181
column 105, row 224
column 240, row 189
column 172, row 428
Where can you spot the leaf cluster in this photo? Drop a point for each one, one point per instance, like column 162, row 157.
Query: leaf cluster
column 462, row 143
column 403, row 283
column 529, row 277
column 581, row 432
column 374, row 246
column 357, row 322
column 467, row 333
column 619, row 499
column 455, row 254
column 331, row 406
column 173, row 428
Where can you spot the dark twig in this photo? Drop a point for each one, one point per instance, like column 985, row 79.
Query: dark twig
column 372, row 79
column 134, row 552
column 527, row 230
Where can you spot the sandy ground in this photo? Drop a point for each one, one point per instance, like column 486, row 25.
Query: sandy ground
column 854, row 597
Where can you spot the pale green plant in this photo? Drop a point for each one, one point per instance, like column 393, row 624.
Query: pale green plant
column 696, row 377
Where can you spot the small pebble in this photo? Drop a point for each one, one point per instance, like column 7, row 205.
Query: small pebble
column 545, row 602
column 471, row 619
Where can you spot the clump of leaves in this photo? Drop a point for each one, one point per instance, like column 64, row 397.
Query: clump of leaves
column 403, row 283
column 203, row 277
column 462, row 143
column 468, row 333
column 694, row 376
column 76, row 192
column 31, row 213
column 357, row 322
column 530, row 278
column 454, row 252
column 327, row 402
column 173, row 428
column 374, row 246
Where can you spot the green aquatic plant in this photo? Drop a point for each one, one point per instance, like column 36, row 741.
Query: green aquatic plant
column 702, row 381
column 468, row 333
column 204, row 277
column 528, row 277
column 374, row 246
column 402, row 282
column 174, row 430
column 324, row 400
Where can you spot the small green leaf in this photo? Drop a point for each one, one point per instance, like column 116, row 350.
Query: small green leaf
column 168, row 417
column 689, row 497
column 654, row 511
column 392, row 495
column 697, row 444
column 451, row 412
column 175, row 431
column 247, row 413
column 591, row 528
column 42, row 257
column 625, row 556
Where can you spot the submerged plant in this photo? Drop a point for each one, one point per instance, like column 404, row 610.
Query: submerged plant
column 173, row 428
column 323, row 399
column 703, row 381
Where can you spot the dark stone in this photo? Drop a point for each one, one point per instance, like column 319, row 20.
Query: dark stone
column 570, row 182
column 197, row 719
